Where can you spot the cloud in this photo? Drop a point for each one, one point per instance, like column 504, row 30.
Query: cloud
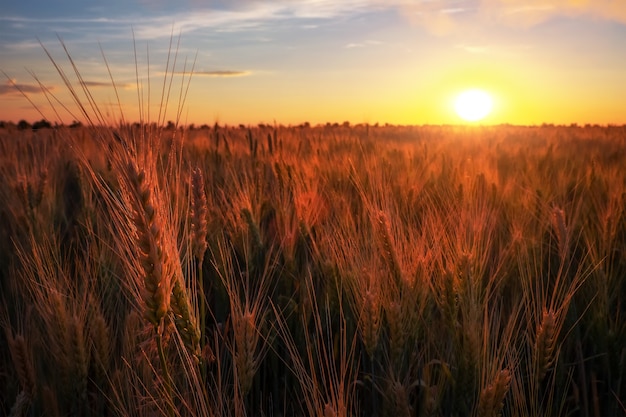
column 220, row 73
column 475, row 49
column 23, row 45
column 108, row 84
column 11, row 86
column 444, row 17
column 435, row 16
column 363, row 44
column 532, row 12
column 96, row 84
column 252, row 15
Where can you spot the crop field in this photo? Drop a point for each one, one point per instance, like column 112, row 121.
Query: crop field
column 330, row 270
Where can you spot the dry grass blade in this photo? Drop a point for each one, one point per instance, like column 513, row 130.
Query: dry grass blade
column 326, row 369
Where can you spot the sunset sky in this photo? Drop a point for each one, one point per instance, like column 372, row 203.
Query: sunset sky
column 317, row 61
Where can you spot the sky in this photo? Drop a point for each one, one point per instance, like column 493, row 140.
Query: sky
column 316, row 61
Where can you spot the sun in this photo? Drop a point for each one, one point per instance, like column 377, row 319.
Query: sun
column 473, row 105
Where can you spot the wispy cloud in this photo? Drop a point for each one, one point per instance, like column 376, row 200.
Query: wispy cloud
column 248, row 16
column 95, row 84
column 437, row 16
column 22, row 45
column 236, row 17
column 13, row 87
column 475, row 49
column 221, row 73
column 363, row 44
column 107, row 84
column 442, row 19
column 528, row 13
column 453, row 10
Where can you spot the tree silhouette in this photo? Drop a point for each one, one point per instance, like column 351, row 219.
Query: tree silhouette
column 42, row 124
column 23, row 125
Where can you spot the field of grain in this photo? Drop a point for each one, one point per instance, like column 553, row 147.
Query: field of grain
column 313, row 271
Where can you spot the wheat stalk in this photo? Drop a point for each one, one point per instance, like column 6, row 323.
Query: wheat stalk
column 157, row 277
column 21, row 405
column 369, row 321
column 560, row 228
column 59, row 332
column 50, row 400
column 100, row 336
column 184, row 319
column 544, row 343
column 80, row 361
column 198, row 214
column 397, row 399
column 396, row 325
column 253, row 228
column 157, row 280
column 491, row 398
column 445, row 293
column 246, row 340
column 335, row 410
column 23, row 363
column 199, row 245
column 387, row 248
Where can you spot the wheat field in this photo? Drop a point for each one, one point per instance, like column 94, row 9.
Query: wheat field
column 334, row 270
column 313, row 271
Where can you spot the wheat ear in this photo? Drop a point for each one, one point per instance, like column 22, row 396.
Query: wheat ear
column 491, row 398
column 397, row 399
column 560, row 228
column 80, row 362
column 369, row 321
column 199, row 246
column 156, row 291
column 544, row 343
column 246, row 339
column 389, row 254
column 157, row 278
column 100, row 336
column 198, row 215
column 397, row 330
column 22, row 360
column 184, row 319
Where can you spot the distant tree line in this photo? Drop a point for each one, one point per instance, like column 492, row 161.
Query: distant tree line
column 170, row 125
column 40, row 124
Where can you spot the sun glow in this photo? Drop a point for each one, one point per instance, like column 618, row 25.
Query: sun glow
column 473, row 105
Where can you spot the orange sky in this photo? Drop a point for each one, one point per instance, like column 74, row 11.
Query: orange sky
column 322, row 61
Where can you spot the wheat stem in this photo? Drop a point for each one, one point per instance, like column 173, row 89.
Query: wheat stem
column 166, row 375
